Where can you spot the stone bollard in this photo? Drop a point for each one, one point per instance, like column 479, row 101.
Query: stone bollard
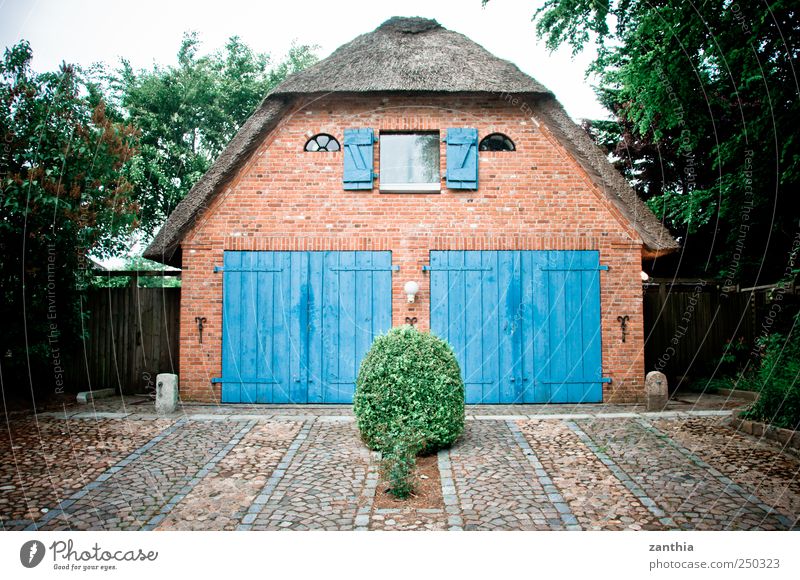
column 657, row 391
column 166, row 393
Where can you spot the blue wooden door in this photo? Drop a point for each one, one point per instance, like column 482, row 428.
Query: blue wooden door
column 297, row 324
column 525, row 325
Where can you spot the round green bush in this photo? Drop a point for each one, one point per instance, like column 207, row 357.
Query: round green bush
column 409, row 388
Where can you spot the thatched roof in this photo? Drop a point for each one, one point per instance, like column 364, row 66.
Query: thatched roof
column 593, row 159
column 409, row 55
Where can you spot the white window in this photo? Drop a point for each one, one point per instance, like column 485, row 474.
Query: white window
column 410, row 163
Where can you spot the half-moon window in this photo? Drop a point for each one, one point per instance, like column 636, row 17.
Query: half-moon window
column 496, row 142
column 322, row 142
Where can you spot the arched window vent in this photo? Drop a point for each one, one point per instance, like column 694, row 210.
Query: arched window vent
column 322, row 142
column 496, row 142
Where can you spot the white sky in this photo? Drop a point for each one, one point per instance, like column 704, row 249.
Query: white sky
column 150, row 31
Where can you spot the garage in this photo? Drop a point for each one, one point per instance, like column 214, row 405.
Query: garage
column 297, row 324
column 525, row 325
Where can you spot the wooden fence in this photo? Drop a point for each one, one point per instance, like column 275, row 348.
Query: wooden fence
column 690, row 325
column 132, row 335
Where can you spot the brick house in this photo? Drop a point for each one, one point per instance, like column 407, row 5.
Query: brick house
column 411, row 177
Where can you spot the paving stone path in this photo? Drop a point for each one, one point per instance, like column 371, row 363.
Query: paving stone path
column 305, row 469
column 134, row 493
column 694, row 498
column 401, row 519
column 754, row 463
column 221, row 499
column 497, row 486
column 45, row 462
column 321, row 486
column 599, row 500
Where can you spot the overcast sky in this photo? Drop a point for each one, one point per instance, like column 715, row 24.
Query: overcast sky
column 150, row 31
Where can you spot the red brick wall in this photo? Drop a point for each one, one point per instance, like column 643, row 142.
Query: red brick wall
column 534, row 198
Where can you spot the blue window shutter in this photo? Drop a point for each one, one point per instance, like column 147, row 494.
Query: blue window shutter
column 462, row 158
column 358, row 156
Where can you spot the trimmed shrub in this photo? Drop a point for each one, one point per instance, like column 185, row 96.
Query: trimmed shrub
column 409, row 386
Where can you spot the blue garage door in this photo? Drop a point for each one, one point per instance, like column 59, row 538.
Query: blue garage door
column 297, row 324
column 525, row 325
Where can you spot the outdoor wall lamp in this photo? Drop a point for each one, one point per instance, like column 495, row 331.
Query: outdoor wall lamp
column 411, row 288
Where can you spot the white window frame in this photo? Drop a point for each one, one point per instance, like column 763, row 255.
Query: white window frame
column 411, row 187
column 427, row 187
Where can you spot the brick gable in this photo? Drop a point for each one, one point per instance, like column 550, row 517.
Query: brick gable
column 537, row 197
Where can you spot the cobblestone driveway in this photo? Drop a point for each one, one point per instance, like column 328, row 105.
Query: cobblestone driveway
column 273, row 468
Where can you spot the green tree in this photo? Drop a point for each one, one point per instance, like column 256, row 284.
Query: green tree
column 707, row 107
column 187, row 114
column 65, row 194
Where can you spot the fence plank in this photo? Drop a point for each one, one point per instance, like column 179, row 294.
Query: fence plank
column 689, row 328
column 132, row 335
